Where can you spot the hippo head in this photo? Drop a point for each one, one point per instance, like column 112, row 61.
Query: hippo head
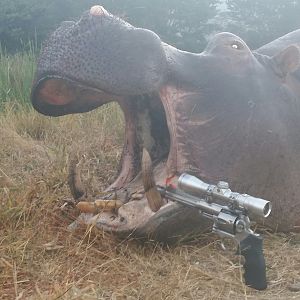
column 224, row 114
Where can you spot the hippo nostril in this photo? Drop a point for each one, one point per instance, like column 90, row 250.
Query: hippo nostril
column 98, row 10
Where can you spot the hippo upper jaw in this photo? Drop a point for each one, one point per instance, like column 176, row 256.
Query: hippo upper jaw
column 103, row 52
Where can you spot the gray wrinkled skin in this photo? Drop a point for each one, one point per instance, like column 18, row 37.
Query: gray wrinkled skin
column 97, row 38
column 227, row 113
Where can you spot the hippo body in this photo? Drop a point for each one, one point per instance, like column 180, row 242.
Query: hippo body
column 272, row 48
column 227, row 113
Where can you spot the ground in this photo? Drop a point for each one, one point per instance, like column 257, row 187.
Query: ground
column 41, row 259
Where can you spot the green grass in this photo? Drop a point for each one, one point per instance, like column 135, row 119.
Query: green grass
column 16, row 76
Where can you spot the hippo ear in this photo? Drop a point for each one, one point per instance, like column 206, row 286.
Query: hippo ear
column 286, row 61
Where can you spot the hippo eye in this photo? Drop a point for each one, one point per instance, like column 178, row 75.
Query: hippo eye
column 237, row 45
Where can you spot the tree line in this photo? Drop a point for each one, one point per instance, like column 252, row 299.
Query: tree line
column 187, row 24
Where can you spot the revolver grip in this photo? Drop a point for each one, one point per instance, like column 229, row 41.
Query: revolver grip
column 255, row 267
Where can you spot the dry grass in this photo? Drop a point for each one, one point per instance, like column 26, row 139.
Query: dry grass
column 40, row 259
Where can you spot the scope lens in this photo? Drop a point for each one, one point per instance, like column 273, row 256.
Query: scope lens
column 267, row 209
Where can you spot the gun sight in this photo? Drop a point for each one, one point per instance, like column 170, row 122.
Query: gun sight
column 196, row 187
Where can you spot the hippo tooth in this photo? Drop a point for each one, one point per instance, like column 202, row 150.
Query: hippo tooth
column 99, row 205
column 153, row 196
column 98, row 10
column 74, row 179
column 137, row 196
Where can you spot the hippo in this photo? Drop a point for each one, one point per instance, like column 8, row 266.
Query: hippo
column 227, row 113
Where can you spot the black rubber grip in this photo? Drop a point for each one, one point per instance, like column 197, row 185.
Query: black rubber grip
column 255, row 266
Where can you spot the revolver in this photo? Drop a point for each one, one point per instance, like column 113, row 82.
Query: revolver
column 230, row 220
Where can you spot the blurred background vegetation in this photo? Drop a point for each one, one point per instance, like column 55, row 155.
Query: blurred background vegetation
column 187, row 24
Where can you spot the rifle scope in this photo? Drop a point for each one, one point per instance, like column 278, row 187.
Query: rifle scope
column 196, row 187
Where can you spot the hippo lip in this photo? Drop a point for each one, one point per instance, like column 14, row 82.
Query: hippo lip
column 66, row 96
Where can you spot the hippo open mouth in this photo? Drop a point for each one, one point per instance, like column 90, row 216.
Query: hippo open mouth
column 199, row 113
column 146, row 127
column 144, row 102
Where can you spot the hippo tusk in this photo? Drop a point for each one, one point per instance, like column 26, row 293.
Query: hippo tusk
column 153, row 196
column 99, row 205
column 74, row 180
